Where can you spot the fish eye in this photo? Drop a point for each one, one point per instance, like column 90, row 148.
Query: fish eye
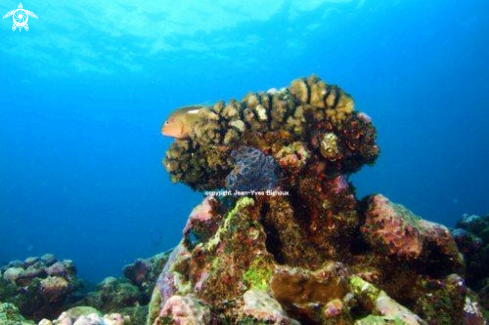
column 167, row 122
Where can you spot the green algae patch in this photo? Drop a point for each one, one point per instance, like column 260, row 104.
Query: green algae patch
column 9, row 315
column 362, row 288
column 383, row 309
column 380, row 320
column 154, row 306
column 79, row 311
column 240, row 205
column 258, row 274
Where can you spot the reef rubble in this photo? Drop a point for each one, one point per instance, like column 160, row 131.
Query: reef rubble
column 315, row 253
column 38, row 286
column 114, row 301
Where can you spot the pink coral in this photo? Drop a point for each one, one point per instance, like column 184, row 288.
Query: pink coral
column 202, row 213
column 333, row 308
column 63, row 319
column 203, row 221
column 72, row 317
column 166, row 281
column 396, row 231
column 293, row 157
column 261, row 307
column 387, row 227
column 116, row 319
column 186, row 310
column 339, row 184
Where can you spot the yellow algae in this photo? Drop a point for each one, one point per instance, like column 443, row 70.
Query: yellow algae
column 300, row 89
column 238, row 124
column 318, row 91
column 329, row 146
column 261, row 112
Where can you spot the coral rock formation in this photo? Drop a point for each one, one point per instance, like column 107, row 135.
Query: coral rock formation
column 393, row 230
column 309, row 252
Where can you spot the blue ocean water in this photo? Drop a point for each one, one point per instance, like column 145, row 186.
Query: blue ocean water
column 83, row 94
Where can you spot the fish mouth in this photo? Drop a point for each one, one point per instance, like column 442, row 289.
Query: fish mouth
column 171, row 132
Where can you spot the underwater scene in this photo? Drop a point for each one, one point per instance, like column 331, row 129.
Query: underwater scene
column 244, row 162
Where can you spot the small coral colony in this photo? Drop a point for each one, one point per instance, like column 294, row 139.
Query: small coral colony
column 281, row 237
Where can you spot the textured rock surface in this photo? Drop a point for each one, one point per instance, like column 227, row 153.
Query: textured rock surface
column 114, row 294
column 393, row 230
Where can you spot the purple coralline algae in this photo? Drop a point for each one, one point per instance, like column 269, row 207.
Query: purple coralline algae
column 393, row 230
column 316, row 254
column 185, row 310
column 253, row 171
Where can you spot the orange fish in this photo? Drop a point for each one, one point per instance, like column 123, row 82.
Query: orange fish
column 181, row 121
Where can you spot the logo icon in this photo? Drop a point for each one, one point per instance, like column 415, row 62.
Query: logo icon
column 20, row 17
